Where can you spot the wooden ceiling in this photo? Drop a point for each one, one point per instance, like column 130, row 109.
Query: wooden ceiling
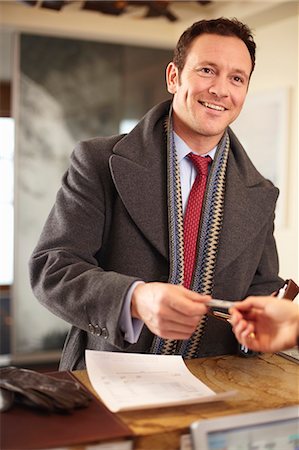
column 150, row 9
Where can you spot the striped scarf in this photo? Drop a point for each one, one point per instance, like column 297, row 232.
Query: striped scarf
column 208, row 237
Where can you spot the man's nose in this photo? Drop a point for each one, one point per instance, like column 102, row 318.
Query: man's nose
column 219, row 87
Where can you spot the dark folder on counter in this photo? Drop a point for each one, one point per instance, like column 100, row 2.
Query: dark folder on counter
column 24, row 428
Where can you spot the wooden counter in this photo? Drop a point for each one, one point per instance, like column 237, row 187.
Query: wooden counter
column 262, row 382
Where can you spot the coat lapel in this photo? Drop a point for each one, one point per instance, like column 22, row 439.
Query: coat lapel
column 249, row 202
column 138, row 168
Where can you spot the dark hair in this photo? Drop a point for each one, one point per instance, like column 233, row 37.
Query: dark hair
column 221, row 26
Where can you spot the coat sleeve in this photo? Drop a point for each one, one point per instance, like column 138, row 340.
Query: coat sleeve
column 64, row 271
column 266, row 281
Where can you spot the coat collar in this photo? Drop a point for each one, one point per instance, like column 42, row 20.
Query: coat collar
column 138, row 168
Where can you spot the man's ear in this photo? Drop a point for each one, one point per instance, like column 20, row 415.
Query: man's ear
column 172, row 78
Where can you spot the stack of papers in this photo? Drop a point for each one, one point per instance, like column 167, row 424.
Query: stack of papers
column 128, row 381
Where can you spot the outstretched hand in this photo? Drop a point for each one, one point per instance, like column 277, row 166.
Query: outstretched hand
column 265, row 324
column 169, row 311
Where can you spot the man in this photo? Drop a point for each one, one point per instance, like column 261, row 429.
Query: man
column 115, row 259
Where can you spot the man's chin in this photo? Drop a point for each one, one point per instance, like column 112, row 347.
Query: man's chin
column 215, row 133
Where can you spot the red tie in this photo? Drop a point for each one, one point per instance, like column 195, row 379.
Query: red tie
column 192, row 214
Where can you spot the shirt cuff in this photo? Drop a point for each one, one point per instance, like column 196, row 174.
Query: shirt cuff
column 130, row 326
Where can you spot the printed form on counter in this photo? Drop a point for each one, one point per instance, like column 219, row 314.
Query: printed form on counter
column 130, row 381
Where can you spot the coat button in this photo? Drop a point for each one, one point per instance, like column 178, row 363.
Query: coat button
column 105, row 333
column 91, row 328
column 98, row 330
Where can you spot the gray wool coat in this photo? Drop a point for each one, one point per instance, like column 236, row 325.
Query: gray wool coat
column 108, row 228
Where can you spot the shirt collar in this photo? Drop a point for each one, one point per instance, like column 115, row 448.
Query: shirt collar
column 182, row 148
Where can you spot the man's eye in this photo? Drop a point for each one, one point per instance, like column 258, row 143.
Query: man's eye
column 238, row 80
column 206, row 70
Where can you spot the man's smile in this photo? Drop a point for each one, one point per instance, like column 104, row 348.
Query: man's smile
column 213, row 106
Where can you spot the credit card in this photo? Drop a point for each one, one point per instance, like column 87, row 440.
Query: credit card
column 216, row 303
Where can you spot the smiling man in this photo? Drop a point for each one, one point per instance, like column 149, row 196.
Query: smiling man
column 210, row 90
column 148, row 225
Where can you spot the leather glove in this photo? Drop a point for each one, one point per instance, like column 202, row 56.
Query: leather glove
column 41, row 391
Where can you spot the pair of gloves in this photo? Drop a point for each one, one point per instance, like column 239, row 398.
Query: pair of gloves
column 40, row 391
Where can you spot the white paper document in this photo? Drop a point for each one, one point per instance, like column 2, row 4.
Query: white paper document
column 127, row 381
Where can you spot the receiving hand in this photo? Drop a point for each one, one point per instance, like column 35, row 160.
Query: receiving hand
column 266, row 324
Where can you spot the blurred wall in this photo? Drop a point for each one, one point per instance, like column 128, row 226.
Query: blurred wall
column 277, row 67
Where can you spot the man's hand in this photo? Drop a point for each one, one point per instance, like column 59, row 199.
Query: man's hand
column 169, row 311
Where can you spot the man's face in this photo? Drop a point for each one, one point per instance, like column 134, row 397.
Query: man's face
column 211, row 89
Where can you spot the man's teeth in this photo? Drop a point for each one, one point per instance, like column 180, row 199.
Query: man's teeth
column 211, row 106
